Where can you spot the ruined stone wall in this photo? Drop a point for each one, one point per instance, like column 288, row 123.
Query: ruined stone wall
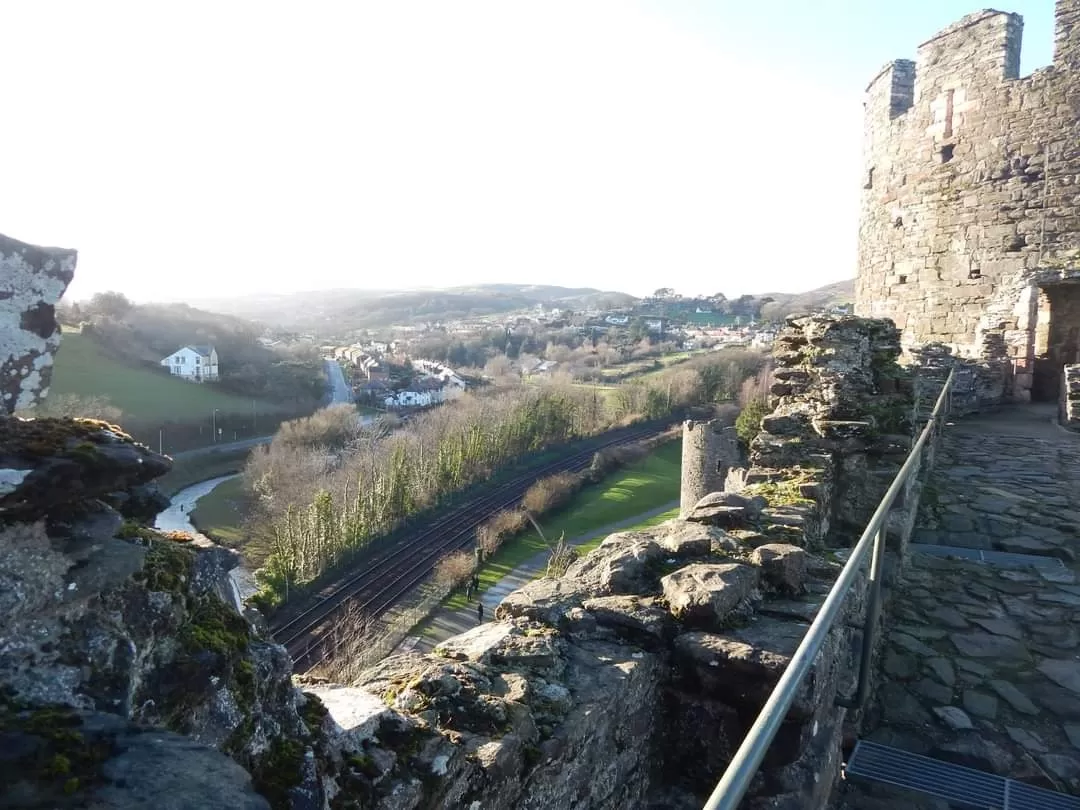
column 841, row 422
column 969, row 197
column 709, row 450
column 1070, row 397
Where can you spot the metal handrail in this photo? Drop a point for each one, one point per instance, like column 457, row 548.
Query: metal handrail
column 744, row 765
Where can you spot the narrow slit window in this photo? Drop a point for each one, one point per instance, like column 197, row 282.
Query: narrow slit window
column 949, row 112
column 903, row 280
column 869, row 178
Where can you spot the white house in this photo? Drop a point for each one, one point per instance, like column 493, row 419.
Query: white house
column 195, row 363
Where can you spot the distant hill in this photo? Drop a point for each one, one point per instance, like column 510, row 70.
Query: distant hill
column 331, row 312
column 784, row 304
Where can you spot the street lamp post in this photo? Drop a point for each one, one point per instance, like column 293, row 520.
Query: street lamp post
column 214, row 417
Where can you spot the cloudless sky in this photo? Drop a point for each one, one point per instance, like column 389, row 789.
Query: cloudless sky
column 203, row 149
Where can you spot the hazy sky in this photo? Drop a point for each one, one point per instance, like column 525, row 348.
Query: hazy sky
column 195, row 149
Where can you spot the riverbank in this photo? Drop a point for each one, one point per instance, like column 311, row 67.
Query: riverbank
column 177, row 518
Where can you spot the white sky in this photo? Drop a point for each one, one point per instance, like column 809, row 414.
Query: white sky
column 199, row 149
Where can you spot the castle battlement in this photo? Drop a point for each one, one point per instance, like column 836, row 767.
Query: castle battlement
column 970, row 209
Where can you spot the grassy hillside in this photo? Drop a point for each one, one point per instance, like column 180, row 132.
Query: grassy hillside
column 83, row 369
column 328, row 311
column 220, row 513
column 840, row 292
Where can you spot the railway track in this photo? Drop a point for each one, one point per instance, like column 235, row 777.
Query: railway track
column 384, row 579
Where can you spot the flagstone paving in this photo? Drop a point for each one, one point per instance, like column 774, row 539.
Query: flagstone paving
column 981, row 666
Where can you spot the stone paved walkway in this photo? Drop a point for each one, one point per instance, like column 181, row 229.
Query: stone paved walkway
column 982, row 663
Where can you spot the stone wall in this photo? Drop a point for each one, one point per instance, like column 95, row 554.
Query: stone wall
column 1070, row 397
column 969, row 203
column 840, row 427
column 978, row 384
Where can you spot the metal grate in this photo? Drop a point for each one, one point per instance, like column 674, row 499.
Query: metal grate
column 1005, row 559
column 966, row 787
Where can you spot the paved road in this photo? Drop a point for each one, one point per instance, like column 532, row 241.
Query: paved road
column 339, row 392
column 223, row 447
column 339, row 389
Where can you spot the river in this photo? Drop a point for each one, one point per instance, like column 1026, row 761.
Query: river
column 177, row 518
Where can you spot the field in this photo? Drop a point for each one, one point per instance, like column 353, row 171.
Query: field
column 219, row 514
column 191, row 470
column 83, row 369
column 640, row 487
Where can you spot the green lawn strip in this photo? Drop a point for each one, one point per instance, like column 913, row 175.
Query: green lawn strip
column 637, row 488
column 82, row 368
column 655, row 520
column 220, row 512
column 193, row 469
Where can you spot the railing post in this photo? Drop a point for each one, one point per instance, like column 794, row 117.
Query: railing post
column 870, row 624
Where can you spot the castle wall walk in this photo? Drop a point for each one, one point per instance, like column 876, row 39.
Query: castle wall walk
column 980, row 662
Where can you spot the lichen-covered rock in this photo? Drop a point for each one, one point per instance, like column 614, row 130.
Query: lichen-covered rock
column 744, row 665
column 50, row 463
column 56, row 757
column 726, row 509
column 783, row 566
column 707, row 595
column 543, row 600
column 32, row 281
column 493, row 733
column 624, row 563
column 638, row 618
column 685, row 540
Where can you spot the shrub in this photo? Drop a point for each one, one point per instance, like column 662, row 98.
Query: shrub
column 562, row 557
column 551, row 492
column 455, row 569
column 490, row 535
column 748, row 424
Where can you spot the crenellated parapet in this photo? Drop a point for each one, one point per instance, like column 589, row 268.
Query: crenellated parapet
column 968, row 188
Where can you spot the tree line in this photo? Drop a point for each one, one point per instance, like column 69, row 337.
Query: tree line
column 327, row 486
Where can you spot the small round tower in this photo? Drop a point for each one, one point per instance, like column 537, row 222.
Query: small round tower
column 709, row 450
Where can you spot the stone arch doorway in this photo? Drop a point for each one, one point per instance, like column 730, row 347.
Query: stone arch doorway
column 1057, row 337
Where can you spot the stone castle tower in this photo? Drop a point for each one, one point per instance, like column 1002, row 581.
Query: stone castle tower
column 969, row 231
column 709, row 450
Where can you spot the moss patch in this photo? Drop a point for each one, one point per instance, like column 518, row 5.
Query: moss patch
column 167, row 566
column 279, row 771
column 57, row 757
column 214, row 626
column 788, row 491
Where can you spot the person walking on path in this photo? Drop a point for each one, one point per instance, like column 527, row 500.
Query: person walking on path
column 479, row 611
column 468, row 590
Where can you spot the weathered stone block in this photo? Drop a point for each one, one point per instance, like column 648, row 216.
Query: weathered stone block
column 783, row 567
column 705, row 595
